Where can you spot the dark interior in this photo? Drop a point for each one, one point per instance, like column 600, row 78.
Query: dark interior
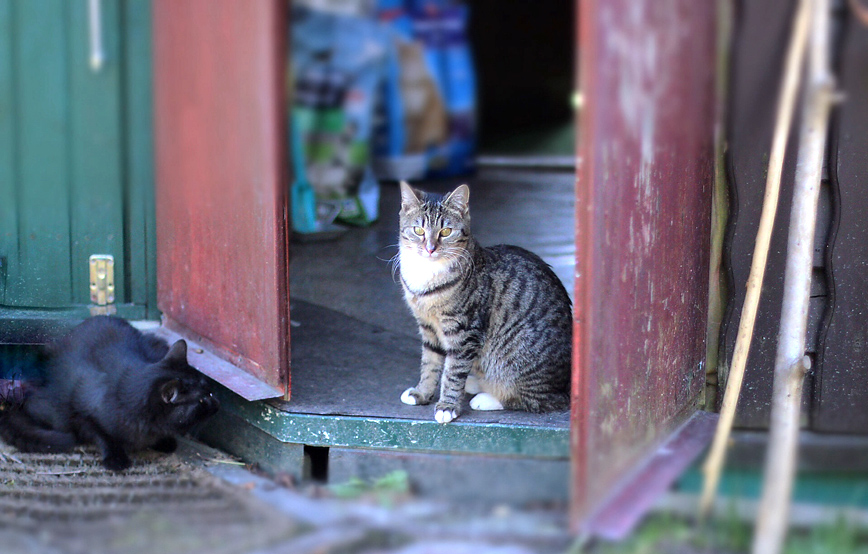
column 525, row 61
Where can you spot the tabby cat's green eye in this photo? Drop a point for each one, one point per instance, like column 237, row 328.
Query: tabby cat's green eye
column 445, row 232
column 419, row 231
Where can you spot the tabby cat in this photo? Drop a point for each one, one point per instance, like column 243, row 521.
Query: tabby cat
column 495, row 321
column 107, row 383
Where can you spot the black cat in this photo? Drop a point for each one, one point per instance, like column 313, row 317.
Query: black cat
column 107, row 383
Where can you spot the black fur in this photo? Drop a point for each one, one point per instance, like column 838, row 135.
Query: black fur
column 109, row 384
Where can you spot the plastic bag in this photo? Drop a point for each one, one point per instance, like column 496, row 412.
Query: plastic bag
column 337, row 66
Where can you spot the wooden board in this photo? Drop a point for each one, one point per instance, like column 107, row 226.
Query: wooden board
column 841, row 386
column 762, row 31
column 222, row 244
column 139, row 154
column 37, row 236
column 202, row 357
column 60, row 176
column 75, row 171
column 643, row 231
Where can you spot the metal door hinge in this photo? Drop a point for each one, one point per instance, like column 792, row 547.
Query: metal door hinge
column 102, row 284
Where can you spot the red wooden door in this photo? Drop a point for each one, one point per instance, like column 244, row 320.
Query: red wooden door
column 643, row 230
column 222, row 242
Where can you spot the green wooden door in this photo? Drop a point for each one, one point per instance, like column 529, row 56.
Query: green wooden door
column 76, row 169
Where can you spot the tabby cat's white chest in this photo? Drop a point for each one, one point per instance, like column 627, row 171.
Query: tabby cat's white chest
column 419, row 272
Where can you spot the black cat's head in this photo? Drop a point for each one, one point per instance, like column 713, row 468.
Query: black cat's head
column 180, row 396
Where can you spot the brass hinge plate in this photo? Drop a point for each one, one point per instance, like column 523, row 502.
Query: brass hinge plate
column 102, row 284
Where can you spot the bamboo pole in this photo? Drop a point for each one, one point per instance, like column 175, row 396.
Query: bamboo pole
column 791, row 364
column 783, row 122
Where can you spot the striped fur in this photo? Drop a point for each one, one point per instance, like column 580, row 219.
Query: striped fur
column 499, row 313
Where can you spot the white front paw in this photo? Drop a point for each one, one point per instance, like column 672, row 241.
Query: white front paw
column 486, row 402
column 445, row 416
column 408, row 398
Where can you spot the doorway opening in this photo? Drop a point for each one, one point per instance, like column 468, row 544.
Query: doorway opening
column 355, row 345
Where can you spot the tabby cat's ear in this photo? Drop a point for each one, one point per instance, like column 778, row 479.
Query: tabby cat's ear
column 410, row 197
column 169, row 390
column 460, row 198
column 178, row 352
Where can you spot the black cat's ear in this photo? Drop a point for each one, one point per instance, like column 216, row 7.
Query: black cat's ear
column 177, row 353
column 410, row 197
column 459, row 198
column 169, row 391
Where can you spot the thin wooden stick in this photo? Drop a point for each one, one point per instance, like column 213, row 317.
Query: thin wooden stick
column 774, row 507
column 791, row 364
column 783, row 122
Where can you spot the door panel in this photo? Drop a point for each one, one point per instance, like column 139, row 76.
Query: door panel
column 763, row 28
column 222, row 242
column 76, row 163
column 38, row 261
column 61, row 185
column 644, row 186
column 841, row 387
column 8, row 202
column 138, row 175
column 96, row 181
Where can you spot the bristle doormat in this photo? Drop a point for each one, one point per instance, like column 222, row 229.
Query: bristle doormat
column 68, row 503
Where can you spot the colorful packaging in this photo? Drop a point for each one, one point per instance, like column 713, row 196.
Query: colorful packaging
column 441, row 27
column 338, row 63
column 426, row 121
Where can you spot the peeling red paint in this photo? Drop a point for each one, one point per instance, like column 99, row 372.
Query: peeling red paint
column 221, row 189
column 643, row 229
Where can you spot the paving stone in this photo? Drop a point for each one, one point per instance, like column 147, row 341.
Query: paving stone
column 315, row 524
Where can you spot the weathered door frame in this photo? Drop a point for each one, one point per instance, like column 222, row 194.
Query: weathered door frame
column 643, row 208
column 644, row 183
column 221, row 186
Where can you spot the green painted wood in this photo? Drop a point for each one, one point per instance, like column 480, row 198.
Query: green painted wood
column 830, row 488
column 232, row 434
column 76, row 157
column 38, row 273
column 39, row 326
column 8, row 214
column 399, row 434
column 96, row 154
column 139, row 152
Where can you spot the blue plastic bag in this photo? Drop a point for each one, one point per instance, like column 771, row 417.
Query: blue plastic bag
column 427, row 119
column 441, row 27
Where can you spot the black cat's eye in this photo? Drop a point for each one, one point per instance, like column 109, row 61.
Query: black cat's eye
column 445, row 232
column 419, row 231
